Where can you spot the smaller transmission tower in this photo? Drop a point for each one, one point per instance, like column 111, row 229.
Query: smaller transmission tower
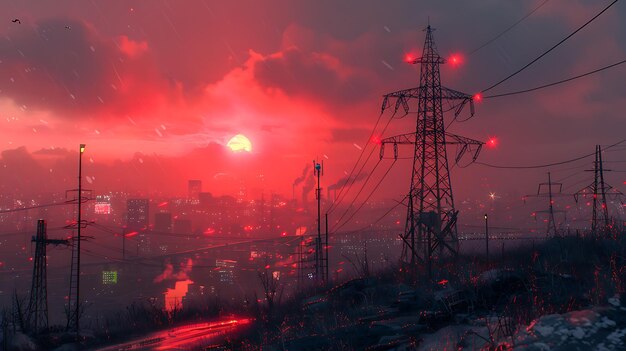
column 600, row 221
column 37, row 319
column 549, row 189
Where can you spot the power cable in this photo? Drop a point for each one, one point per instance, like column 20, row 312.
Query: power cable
column 357, row 161
column 549, row 50
column 509, row 28
column 35, row 207
column 359, row 192
column 339, row 197
column 548, row 164
column 554, row 83
column 335, row 229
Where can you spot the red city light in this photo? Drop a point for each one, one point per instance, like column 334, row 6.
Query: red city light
column 131, row 234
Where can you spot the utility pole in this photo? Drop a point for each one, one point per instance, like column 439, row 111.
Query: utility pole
column 430, row 228
column 486, row 238
column 550, row 194
column 37, row 318
column 73, row 316
column 124, row 244
column 327, row 261
column 320, row 269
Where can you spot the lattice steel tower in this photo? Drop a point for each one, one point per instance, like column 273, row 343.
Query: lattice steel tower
column 601, row 224
column 430, row 228
column 38, row 303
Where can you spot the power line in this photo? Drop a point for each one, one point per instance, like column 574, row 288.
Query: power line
column 357, row 162
column 555, row 83
column 359, row 192
column 36, row 206
column 366, row 199
column 547, row 164
column 339, row 198
column 549, row 50
column 509, row 28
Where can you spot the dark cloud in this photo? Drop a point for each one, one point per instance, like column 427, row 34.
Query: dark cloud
column 350, row 135
column 76, row 72
column 312, row 75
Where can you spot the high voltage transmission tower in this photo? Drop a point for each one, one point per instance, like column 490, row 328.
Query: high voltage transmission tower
column 600, row 221
column 550, row 190
column 37, row 319
column 430, row 229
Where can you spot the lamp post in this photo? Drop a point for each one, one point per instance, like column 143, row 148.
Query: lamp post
column 79, row 224
column 486, row 237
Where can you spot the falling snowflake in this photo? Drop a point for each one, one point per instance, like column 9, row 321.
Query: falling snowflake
column 387, row 64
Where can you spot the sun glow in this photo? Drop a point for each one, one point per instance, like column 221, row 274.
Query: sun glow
column 239, row 143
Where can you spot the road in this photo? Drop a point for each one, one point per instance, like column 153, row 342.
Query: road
column 185, row 337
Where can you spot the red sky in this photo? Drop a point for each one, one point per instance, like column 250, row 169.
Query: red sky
column 156, row 88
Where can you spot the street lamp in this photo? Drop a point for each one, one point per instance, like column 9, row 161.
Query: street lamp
column 486, row 237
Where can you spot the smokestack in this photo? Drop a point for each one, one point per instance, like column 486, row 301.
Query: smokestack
column 308, row 185
column 303, row 176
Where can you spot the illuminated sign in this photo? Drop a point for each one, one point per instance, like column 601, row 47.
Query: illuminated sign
column 102, row 205
column 102, row 208
column 109, row 277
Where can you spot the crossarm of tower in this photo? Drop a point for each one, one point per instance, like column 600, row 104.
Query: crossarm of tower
column 402, row 97
column 465, row 144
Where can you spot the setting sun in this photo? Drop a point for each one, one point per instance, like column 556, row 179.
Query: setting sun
column 239, row 143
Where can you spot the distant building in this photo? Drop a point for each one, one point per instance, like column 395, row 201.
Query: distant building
column 194, row 189
column 206, row 199
column 226, row 271
column 137, row 214
column 163, row 222
column 182, row 226
column 102, row 205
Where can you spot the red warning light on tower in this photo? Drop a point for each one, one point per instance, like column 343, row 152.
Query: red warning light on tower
column 409, row 58
column 455, row 60
column 478, row 97
column 492, row 142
